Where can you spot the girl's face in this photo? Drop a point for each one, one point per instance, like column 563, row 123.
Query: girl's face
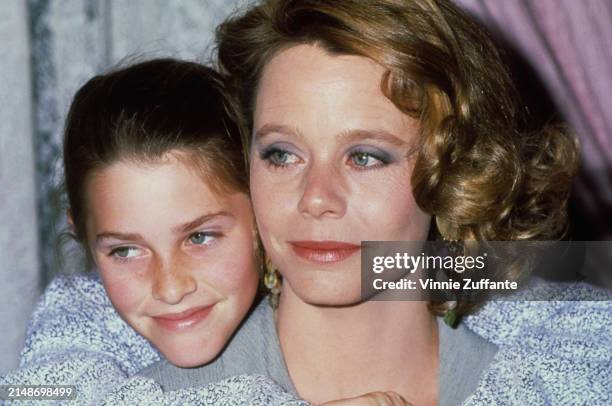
column 331, row 163
column 176, row 257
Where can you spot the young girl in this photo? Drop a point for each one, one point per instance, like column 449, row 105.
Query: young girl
column 158, row 199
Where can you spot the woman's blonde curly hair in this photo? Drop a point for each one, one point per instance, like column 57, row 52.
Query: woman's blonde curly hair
column 476, row 172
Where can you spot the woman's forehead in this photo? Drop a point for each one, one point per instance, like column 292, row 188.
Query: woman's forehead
column 309, row 69
column 305, row 86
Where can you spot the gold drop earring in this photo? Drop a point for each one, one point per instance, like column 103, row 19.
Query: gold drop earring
column 272, row 281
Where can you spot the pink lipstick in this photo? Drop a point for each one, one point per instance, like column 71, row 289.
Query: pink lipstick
column 183, row 320
column 324, row 251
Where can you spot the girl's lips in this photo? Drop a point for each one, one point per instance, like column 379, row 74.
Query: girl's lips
column 324, row 251
column 183, row 320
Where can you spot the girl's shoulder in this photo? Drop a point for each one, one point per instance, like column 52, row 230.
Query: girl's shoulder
column 73, row 290
column 74, row 314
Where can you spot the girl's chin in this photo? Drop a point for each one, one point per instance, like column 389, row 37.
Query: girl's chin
column 191, row 352
column 185, row 360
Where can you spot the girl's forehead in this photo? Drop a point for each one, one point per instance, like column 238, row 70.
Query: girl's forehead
column 169, row 179
column 150, row 199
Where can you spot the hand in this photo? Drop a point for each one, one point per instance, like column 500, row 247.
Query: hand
column 372, row 399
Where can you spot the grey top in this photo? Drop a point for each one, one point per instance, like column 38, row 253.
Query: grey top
column 255, row 349
column 464, row 356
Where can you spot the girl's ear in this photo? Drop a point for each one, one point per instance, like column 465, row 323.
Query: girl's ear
column 70, row 221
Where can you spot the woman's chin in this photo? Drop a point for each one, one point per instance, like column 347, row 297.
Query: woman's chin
column 333, row 292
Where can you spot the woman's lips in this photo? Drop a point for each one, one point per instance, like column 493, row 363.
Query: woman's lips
column 183, row 320
column 324, row 251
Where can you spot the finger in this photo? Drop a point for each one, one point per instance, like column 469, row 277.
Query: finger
column 396, row 399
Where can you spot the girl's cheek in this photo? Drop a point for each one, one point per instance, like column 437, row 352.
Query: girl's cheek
column 246, row 262
column 233, row 274
column 125, row 291
column 235, row 270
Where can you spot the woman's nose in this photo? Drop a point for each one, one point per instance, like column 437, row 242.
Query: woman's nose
column 323, row 194
column 172, row 282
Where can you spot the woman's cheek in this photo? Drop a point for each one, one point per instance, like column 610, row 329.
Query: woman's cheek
column 391, row 211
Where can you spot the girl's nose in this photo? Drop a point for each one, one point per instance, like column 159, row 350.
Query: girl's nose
column 171, row 283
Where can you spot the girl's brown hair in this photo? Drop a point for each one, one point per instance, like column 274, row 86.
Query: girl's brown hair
column 476, row 172
column 141, row 113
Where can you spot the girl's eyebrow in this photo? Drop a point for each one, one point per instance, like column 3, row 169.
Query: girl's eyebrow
column 182, row 228
column 190, row 225
column 108, row 235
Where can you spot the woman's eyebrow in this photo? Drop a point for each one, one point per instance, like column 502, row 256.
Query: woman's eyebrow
column 382, row 135
column 348, row 135
column 190, row 225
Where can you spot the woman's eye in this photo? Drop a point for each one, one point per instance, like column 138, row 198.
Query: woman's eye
column 125, row 252
column 279, row 157
column 366, row 160
column 200, row 238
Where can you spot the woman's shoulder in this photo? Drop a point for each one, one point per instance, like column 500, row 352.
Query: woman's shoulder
column 555, row 341
column 554, row 309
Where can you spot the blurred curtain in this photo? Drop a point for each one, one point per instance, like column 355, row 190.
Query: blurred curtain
column 19, row 261
column 568, row 45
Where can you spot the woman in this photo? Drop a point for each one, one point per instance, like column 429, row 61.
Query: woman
column 395, row 120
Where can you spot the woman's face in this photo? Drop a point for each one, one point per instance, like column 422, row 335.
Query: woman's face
column 176, row 257
column 331, row 164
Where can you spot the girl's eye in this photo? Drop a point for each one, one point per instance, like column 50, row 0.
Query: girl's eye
column 200, row 238
column 366, row 160
column 123, row 253
column 279, row 157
